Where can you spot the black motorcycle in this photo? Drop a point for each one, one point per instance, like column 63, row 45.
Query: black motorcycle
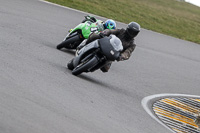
column 95, row 55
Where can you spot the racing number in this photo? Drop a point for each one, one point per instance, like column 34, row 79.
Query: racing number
column 93, row 29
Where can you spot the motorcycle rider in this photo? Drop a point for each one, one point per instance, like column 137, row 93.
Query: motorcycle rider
column 125, row 35
column 108, row 24
column 98, row 26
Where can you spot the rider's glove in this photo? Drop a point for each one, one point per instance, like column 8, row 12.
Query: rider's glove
column 93, row 19
column 121, row 58
column 87, row 17
column 102, row 35
column 90, row 18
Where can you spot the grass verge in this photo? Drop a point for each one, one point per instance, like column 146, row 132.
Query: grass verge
column 170, row 17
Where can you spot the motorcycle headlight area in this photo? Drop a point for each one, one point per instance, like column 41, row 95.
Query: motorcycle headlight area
column 116, row 43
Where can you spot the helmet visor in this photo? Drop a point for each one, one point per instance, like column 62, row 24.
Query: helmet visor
column 132, row 33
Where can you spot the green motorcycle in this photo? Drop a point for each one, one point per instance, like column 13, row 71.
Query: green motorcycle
column 81, row 32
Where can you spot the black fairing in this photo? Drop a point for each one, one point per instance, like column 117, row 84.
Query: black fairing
column 107, row 49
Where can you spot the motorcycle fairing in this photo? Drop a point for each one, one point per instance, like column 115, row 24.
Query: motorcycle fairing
column 84, row 28
column 109, row 50
column 86, row 49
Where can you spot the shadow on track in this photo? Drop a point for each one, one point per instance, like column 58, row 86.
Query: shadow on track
column 92, row 80
column 107, row 86
column 72, row 52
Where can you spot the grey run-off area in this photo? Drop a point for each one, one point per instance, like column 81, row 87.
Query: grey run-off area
column 39, row 95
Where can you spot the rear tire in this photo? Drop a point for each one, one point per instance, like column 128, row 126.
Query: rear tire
column 83, row 67
column 68, row 41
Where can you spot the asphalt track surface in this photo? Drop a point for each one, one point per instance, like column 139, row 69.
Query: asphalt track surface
column 39, row 95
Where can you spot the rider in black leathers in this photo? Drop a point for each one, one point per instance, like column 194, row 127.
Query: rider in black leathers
column 125, row 35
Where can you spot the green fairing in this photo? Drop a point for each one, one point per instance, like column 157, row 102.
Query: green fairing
column 87, row 28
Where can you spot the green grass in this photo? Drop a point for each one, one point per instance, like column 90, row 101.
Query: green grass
column 178, row 19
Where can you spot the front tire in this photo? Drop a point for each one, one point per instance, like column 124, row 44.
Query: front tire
column 67, row 43
column 70, row 65
column 84, row 66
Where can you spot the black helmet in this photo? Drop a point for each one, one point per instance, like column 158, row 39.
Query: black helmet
column 133, row 29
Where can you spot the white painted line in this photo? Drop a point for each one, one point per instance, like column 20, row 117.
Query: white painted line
column 63, row 6
column 86, row 13
column 148, row 102
column 147, row 105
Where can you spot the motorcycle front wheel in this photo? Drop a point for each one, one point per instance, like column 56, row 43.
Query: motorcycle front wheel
column 84, row 66
column 70, row 65
column 69, row 41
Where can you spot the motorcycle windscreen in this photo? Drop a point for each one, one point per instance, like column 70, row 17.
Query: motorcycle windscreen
column 116, row 43
column 108, row 49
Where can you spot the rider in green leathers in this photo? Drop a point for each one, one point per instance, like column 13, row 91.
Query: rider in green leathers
column 83, row 30
column 108, row 24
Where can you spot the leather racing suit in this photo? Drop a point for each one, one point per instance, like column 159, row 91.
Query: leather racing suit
column 127, row 42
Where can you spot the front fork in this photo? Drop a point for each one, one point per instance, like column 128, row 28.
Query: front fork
column 102, row 62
